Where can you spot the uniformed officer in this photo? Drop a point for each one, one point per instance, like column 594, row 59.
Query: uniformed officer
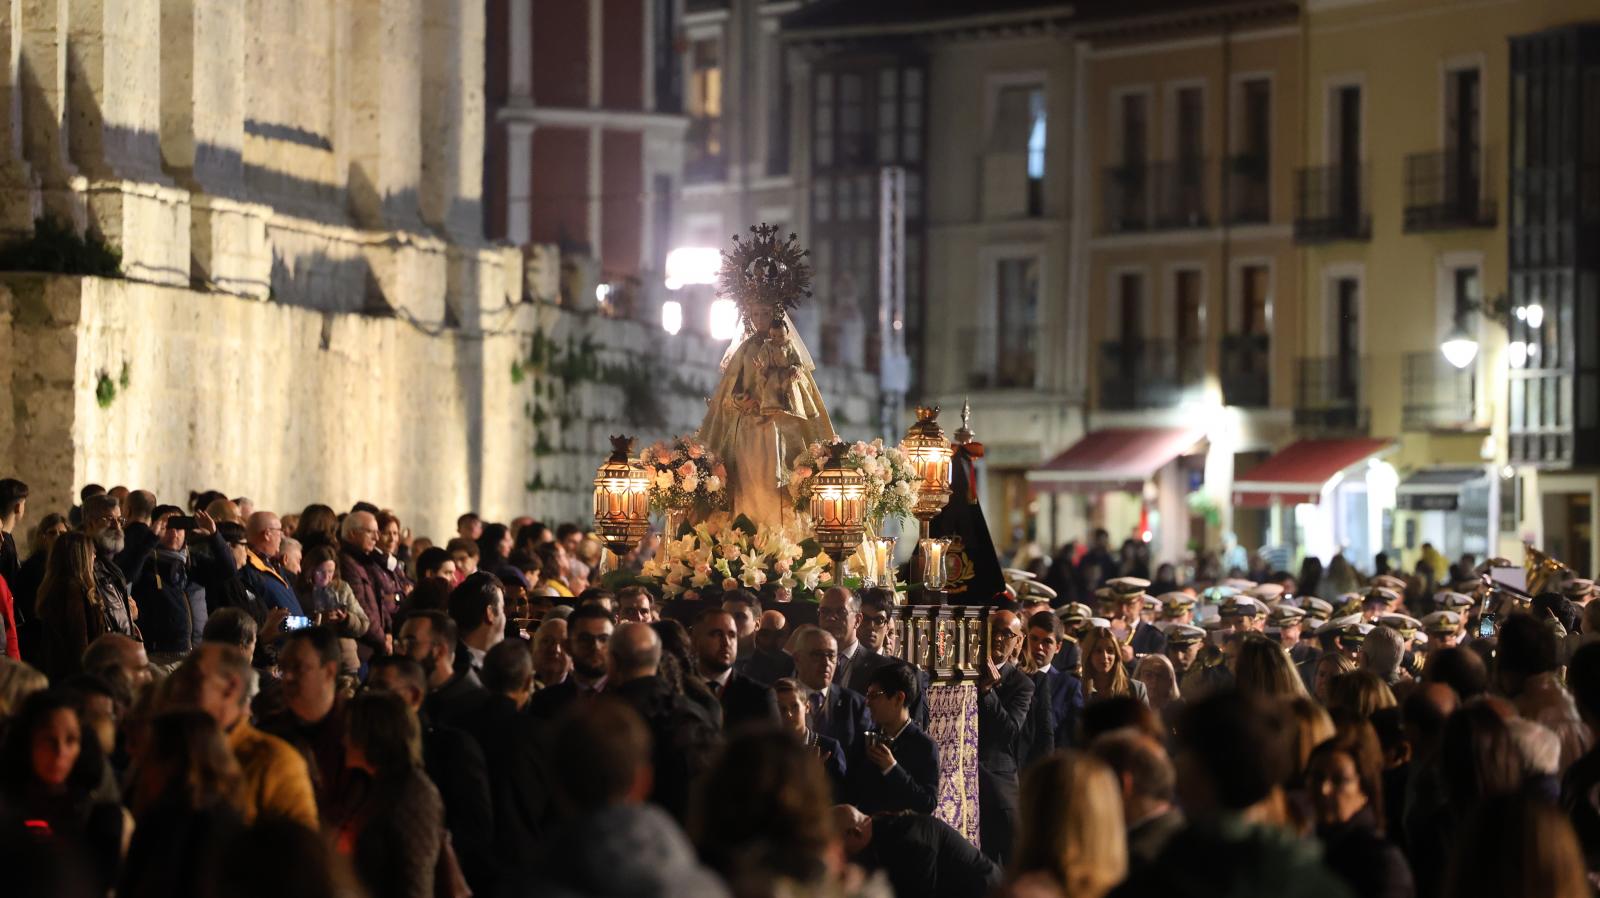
column 1136, row 637
column 1177, row 608
column 1443, row 629
column 1318, row 611
column 1183, row 644
column 1286, row 623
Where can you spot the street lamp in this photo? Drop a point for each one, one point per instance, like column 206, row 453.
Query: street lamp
column 838, row 508
column 621, row 500
column 1459, row 347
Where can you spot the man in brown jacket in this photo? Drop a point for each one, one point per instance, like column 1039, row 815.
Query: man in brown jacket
column 216, row 679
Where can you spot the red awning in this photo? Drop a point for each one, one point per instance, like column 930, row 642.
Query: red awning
column 1298, row 472
column 1118, row 458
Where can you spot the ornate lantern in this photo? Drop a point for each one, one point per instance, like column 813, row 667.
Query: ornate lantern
column 928, row 450
column 621, row 499
column 838, row 508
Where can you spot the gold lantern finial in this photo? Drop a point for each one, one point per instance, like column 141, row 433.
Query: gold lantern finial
column 928, row 450
column 838, row 507
column 621, row 499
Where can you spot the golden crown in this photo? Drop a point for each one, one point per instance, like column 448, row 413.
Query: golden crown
column 763, row 276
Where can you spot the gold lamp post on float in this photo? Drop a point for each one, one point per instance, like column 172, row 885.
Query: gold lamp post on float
column 838, row 509
column 621, row 503
column 928, row 450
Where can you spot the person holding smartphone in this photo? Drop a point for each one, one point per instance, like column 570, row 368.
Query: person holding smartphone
column 895, row 766
column 330, row 602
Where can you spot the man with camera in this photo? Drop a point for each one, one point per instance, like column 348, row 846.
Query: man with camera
column 895, row 766
column 172, row 602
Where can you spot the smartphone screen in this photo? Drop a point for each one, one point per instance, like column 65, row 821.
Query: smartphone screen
column 1486, row 626
column 296, row 622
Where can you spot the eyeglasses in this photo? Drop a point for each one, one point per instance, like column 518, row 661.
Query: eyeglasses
column 875, row 620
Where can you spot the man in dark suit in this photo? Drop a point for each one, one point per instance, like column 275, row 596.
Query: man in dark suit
column 835, row 710
column 839, row 612
column 430, row 638
column 1005, row 698
column 871, row 634
column 921, row 854
column 682, row 736
column 744, row 701
column 767, row 663
column 513, row 743
column 588, row 638
column 1057, row 695
column 896, row 766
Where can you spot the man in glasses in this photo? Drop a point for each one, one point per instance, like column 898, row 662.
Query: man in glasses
column 1005, row 699
column 894, row 767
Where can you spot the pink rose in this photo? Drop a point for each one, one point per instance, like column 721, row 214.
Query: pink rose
column 664, row 455
column 695, row 451
column 686, row 469
column 729, row 584
column 783, row 566
column 872, row 451
column 802, row 472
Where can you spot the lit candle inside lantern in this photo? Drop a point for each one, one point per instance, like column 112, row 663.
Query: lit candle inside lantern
column 933, row 552
column 882, row 551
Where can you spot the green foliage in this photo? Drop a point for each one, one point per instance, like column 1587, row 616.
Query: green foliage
column 105, row 390
column 124, row 379
column 55, row 247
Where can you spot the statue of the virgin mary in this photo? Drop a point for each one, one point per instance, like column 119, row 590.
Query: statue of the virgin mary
column 766, row 408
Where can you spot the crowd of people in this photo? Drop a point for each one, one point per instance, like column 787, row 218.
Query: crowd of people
column 217, row 699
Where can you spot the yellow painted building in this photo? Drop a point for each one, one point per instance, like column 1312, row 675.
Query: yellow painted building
column 1188, row 273
column 1402, row 214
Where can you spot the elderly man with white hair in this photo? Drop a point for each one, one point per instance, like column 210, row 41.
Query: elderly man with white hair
column 358, row 542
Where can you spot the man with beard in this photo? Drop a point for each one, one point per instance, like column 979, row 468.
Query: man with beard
column 102, row 523
column 429, row 638
column 769, row 663
column 744, row 701
column 588, row 639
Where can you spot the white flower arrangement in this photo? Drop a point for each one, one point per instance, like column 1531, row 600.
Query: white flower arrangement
column 685, row 475
column 891, row 480
column 735, row 553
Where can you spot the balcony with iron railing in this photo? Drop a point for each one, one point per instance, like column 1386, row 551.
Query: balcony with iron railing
column 1331, row 204
column 1157, row 196
column 1329, row 395
column 1246, row 370
column 1000, row 358
column 1249, row 190
column 1137, row 374
column 1446, row 190
column 1436, row 395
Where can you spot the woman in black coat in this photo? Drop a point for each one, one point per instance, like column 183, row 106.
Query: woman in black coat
column 1345, row 780
column 49, row 772
column 391, row 825
column 185, row 792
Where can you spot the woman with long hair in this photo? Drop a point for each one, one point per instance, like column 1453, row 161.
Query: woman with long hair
column 552, row 568
column 1330, row 666
column 392, row 830
column 50, row 773
column 1264, row 668
column 1070, row 831
column 1514, row 846
column 761, row 816
column 1338, row 579
column 186, row 804
column 1478, row 763
column 1345, row 782
column 1160, row 681
column 318, row 526
column 18, row 680
column 25, row 589
column 1104, row 674
column 1309, row 582
column 69, row 605
column 1360, row 692
column 323, row 593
